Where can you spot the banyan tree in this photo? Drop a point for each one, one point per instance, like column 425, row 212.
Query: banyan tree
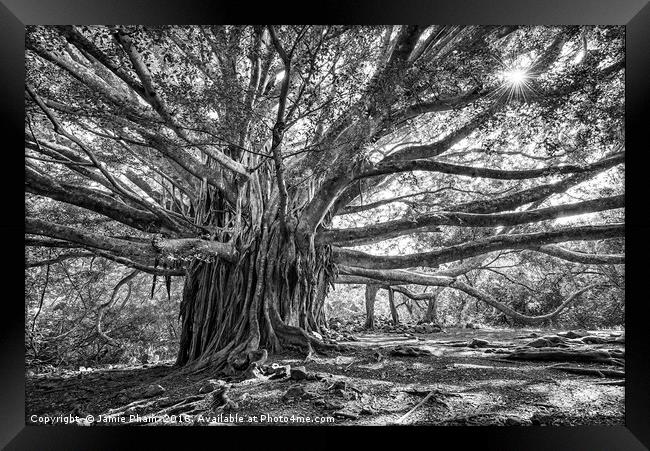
column 253, row 162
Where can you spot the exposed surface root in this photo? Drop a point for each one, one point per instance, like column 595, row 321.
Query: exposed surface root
column 567, row 355
column 618, row 383
column 409, row 351
column 600, row 372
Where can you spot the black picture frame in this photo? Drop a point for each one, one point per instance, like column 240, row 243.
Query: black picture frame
column 635, row 14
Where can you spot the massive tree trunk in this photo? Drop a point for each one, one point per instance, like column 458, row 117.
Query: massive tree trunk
column 271, row 298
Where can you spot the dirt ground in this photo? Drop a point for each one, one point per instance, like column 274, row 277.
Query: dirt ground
column 366, row 385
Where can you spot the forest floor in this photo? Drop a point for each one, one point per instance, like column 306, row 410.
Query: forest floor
column 451, row 383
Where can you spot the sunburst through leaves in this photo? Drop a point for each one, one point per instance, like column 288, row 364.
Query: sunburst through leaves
column 516, row 78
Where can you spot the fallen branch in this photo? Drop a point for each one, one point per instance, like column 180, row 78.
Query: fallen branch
column 426, row 398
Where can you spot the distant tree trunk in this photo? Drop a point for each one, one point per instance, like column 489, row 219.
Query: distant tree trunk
column 409, row 306
column 431, row 316
column 393, row 309
column 460, row 310
column 371, row 296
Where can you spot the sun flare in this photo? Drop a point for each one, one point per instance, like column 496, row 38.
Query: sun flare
column 515, row 76
column 516, row 81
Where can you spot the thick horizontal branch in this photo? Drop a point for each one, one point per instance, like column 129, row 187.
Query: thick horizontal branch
column 582, row 257
column 390, row 167
column 92, row 199
column 362, row 236
column 390, row 229
column 392, row 277
column 482, row 246
column 156, row 249
column 526, row 319
column 537, row 193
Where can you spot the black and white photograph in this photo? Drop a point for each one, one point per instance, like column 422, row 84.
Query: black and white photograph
column 325, row 225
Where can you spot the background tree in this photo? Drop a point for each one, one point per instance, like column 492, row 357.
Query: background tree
column 235, row 157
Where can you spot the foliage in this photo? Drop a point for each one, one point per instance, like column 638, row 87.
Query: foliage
column 63, row 332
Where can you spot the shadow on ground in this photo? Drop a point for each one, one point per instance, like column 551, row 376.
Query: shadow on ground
column 455, row 385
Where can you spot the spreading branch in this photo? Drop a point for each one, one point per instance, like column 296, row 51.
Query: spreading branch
column 391, row 167
column 477, row 247
column 177, row 248
column 430, row 222
column 581, row 257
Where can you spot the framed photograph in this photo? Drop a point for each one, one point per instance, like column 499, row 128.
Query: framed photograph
column 378, row 216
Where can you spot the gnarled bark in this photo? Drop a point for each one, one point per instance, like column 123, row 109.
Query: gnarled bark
column 270, row 298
